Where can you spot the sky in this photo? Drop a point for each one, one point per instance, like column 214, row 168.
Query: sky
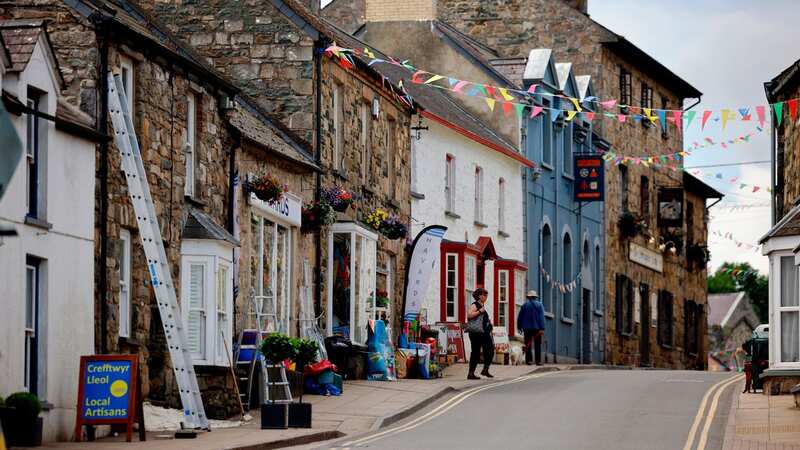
column 727, row 49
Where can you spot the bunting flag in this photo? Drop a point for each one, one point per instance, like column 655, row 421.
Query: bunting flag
column 532, row 89
column 608, row 104
column 571, row 115
column 507, row 108
column 576, row 103
column 745, row 112
column 730, row 237
column 778, row 107
column 726, row 114
column 761, row 113
column 562, row 287
column 490, row 102
column 792, row 109
column 535, row 111
column 506, row 96
column 690, row 117
column 520, row 110
column 706, row 116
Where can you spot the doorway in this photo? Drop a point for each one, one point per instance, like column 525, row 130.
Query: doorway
column 586, row 333
column 644, row 322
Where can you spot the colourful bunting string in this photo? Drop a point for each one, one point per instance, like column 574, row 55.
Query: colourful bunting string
column 730, row 237
column 555, row 284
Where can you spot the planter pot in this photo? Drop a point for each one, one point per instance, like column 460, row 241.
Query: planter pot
column 19, row 432
column 300, row 415
column 274, row 416
column 340, row 207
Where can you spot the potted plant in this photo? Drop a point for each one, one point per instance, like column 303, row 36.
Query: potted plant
column 698, row 255
column 317, row 215
column 338, row 198
column 306, row 351
column 387, row 224
column 266, row 187
column 23, row 426
column 629, row 225
column 381, row 299
column 276, row 348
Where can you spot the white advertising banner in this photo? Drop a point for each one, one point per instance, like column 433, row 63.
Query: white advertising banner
column 424, row 254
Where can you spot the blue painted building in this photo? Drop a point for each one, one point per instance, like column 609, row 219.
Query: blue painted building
column 564, row 238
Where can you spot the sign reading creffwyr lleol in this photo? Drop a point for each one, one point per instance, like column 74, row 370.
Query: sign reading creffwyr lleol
column 589, row 173
column 107, row 391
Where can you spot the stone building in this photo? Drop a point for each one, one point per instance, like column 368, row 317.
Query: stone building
column 358, row 125
column 47, row 278
column 196, row 132
column 731, row 321
column 782, row 242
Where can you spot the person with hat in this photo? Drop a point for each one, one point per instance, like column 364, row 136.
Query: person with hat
column 531, row 321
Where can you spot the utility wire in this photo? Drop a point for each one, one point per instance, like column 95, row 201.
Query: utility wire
column 729, row 164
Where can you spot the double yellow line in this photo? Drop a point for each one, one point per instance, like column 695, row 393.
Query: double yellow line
column 438, row 411
column 716, row 390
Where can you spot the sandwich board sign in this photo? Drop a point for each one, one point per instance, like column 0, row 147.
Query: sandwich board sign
column 107, row 393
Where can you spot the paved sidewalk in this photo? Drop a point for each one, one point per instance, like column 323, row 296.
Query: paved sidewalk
column 364, row 406
column 760, row 422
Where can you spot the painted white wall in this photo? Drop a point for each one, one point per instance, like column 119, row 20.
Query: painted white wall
column 67, row 300
column 429, row 179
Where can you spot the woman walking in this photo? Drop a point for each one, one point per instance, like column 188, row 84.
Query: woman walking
column 479, row 328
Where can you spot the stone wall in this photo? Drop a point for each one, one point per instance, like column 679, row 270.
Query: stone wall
column 254, row 44
column 789, row 140
column 346, row 14
column 390, row 10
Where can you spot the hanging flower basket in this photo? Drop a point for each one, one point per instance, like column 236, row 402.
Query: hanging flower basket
column 317, row 215
column 388, row 225
column 630, row 225
column 381, row 299
column 266, row 187
column 339, row 198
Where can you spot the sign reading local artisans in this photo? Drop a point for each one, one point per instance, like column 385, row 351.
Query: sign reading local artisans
column 589, row 174
column 107, row 391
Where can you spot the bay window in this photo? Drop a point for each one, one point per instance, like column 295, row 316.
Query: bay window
column 352, row 261
column 502, row 298
column 787, row 313
column 451, row 287
column 470, row 279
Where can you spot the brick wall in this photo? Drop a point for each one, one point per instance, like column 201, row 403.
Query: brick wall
column 390, row 10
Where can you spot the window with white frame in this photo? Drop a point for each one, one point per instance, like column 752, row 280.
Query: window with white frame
column 35, row 154
column 207, row 300
column 478, row 194
column 338, row 128
column 191, row 153
column 566, row 277
column 566, row 157
column 502, row 298
column 501, row 205
column 450, row 183
column 451, row 287
column 126, row 72
column 32, row 292
column 470, row 269
column 271, row 271
column 788, row 313
column 125, row 310
column 519, row 295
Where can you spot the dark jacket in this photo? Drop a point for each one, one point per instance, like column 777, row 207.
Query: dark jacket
column 531, row 316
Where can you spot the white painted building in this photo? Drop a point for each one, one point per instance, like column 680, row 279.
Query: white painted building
column 467, row 178
column 47, row 276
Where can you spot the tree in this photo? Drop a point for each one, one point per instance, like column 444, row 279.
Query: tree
column 736, row 277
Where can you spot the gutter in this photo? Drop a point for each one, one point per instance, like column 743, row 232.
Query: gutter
column 772, row 162
column 319, row 45
column 14, row 106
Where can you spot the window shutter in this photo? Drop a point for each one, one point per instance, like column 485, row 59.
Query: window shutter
column 618, row 300
column 195, row 326
column 629, row 305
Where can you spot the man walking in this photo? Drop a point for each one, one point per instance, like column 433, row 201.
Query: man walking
column 531, row 322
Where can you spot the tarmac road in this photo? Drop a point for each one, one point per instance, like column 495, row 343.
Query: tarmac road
column 570, row 410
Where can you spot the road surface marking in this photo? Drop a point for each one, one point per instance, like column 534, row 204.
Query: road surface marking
column 700, row 411
column 712, row 411
column 441, row 409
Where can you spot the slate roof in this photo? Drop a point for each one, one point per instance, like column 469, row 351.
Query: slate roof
column 693, row 184
column 20, row 39
column 789, row 225
column 538, row 60
column 784, row 81
column 720, row 305
column 199, row 225
column 511, row 68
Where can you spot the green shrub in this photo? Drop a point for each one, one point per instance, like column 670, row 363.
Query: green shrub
column 277, row 347
column 305, row 353
column 26, row 404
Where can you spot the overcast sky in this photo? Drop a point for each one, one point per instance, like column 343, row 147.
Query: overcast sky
column 727, row 49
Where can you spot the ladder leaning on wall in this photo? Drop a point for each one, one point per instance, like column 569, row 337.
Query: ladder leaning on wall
column 157, row 263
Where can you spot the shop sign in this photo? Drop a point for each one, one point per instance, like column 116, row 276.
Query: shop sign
column 288, row 209
column 670, row 207
column 455, row 340
column 589, row 175
column 646, row 257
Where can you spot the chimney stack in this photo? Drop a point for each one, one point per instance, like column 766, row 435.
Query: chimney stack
column 580, row 5
column 400, row 11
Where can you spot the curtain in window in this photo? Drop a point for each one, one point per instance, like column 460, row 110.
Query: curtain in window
column 790, row 336
column 789, row 294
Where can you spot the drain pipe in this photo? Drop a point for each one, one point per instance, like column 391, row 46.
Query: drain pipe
column 101, row 27
column 319, row 45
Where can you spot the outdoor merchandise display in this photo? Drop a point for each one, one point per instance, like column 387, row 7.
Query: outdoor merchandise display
column 380, row 359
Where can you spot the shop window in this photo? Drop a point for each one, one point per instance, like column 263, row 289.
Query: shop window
column 566, row 277
column 470, row 279
column 125, row 309
column 789, row 312
column 451, row 287
column 338, row 128
column 665, row 319
column 519, row 295
column 502, row 298
column 35, row 156
column 547, row 136
column 623, row 294
column 34, row 353
column 352, row 271
column 450, row 184
column 207, row 299
column 380, row 304
column 478, row 195
column 546, row 260
column 271, row 265
column 625, row 87
column 191, row 153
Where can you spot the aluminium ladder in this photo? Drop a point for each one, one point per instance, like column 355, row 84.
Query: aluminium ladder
column 157, row 262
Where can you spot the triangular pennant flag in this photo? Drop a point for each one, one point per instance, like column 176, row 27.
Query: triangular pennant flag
column 532, row 89
column 452, row 81
column 706, row 116
column 489, row 90
column 690, row 117
column 571, row 115
column 678, row 118
column 589, row 116
column 417, row 77
column 761, row 113
column 745, row 112
column 662, row 116
column 535, row 111
column 621, row 118
column 647, row 112
column 637, row 117
column 520, row 109
column 433, row 79
column 482, row 90
column 505, row 94
column 460, row 85
column 793, row 109
column 490, row 102
column 369, row 53
column 555, row 114
column 576, row 103
column 756, row 189
column 474, row 91
column 507, row 107
column 724, row 115
column 778, row 107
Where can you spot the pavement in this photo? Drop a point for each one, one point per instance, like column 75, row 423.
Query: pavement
column 761, row 422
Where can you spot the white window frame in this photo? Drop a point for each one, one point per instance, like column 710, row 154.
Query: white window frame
column 125, row 304
column 566, row 151
column 451, row 257
column 31, row 311
column 450, row 183
column 519, row 297
column 567, row 297
column 129, row 82
column 501, row 204
column 212, row 256
column 338, row 131
column 286, row 306
column 478, row 194
column 502, row 297
column 36, row 155
column 546, row 288
column 190, row 145
column 777, row 309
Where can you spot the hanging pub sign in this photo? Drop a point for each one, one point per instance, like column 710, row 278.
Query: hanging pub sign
column 107, row 393
column 589, row 174
column 670, row 207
